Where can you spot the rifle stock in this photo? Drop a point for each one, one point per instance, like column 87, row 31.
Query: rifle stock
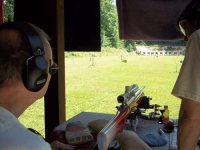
column 130, row 99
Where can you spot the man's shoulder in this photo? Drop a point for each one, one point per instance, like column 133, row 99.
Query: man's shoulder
column 23, row 139
column 196, row 33
column 13, row 134
column 7, row 120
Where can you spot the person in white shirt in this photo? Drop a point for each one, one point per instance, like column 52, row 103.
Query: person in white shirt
column 187, row 86
column 26, row 66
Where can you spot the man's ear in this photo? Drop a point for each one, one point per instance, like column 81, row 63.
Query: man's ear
column 197, row 23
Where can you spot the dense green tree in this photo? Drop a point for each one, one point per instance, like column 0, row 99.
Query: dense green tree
column 110, row 29
column 130, row 45
column 109, row 24
column 8, row 10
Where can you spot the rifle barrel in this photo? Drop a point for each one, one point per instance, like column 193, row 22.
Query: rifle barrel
column 129, row 92
column 116, row 124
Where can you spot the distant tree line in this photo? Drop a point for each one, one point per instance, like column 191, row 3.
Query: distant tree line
column 109, row 28
column 8, row 10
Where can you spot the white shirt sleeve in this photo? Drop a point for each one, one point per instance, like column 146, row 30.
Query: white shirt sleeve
column 14, row 136
column 188, row 82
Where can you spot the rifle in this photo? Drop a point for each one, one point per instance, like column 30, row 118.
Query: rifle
column 129, row 101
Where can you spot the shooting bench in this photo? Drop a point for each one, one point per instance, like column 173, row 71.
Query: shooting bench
column 144, row 127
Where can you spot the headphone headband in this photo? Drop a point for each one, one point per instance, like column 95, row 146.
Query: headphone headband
column 36, row 43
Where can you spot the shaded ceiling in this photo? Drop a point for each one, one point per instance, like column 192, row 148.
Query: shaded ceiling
column 149, row 19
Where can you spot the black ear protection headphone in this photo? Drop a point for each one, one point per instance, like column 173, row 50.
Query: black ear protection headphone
column 36, row 68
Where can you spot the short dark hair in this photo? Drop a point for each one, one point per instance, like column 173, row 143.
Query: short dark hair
column 191, row 12
column 13, row 53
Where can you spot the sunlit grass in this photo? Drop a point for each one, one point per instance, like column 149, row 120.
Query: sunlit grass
column 93, row 86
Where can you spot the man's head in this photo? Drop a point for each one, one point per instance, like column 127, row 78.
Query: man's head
column 189, row 20
column 25, row 55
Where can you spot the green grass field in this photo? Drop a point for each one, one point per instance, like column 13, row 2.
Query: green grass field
column 93, row 86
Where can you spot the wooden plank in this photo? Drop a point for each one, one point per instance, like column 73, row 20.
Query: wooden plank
column 82, row 25
column 55, row 97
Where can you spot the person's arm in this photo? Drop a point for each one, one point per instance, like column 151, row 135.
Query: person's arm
column 129, row 140
column 189, row 124
column 56, row 145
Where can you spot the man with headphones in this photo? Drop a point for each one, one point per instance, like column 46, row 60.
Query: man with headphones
column 26, row 66
column 187, row 86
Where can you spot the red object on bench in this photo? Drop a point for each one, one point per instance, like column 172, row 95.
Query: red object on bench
column 1, row 11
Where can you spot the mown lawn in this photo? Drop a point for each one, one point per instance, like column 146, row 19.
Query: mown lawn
column 93, row 86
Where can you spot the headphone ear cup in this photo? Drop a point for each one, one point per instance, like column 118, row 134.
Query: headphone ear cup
column 35, row 73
